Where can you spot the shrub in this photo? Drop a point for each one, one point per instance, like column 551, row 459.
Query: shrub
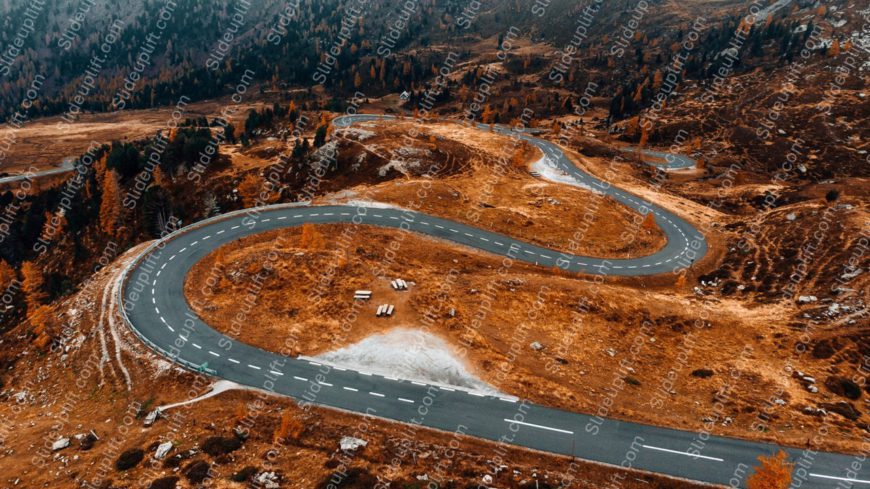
column 164, row 483
column 702, row 373
column 129, row 459
column 843, row 387
column 219, row 445
column 244, row 474
column 197, row 471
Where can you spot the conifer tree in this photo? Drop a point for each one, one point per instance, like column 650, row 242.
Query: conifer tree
column 33, row 285
column 110, row 206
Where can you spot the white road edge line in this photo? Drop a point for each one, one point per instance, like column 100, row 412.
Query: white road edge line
column 687, row 454
column 557, row 430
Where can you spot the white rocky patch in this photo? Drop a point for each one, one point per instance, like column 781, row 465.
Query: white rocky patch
column 355, row 133
column 408, row 354
column 549, row 172
column 402, row 166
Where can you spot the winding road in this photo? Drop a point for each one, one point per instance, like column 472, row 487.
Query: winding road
column 155, row 308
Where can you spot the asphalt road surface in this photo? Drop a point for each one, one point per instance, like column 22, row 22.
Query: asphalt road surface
column 156, row 310
column 67, row 166
column 668, row 161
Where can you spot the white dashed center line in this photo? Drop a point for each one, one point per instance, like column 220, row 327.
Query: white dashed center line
column 687, row 454
column 541, row 427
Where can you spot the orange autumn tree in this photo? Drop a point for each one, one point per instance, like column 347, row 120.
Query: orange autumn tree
column 773, row 472
column 7, row 274
column 249, row 189
column 649, row 222
column 310, row 238
column 110, row 206
column 644, row 136
column 291, row 427
column 681, row 280
column 33, row 285
column 39, row 324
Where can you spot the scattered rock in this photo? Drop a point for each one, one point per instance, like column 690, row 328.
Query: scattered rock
column 487, row 479
column 814, row 411
column 152, row 417
column 87, row 441
column 350, row 444
column 806, row 299
column 852, row 274
column 162, row 450
column 536, row 346
column 60, row 444
column 791, row 216
column 269, row 480
column 844, row 409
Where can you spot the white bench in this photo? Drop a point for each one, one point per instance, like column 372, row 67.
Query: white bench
column 384, row 310
column 362, row 295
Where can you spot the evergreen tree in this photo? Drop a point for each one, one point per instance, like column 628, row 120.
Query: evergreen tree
column 110, row 206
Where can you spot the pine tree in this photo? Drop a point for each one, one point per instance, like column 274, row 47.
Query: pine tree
column 33, row 285
column 110, row 206
column 487, row 115
column 657, row 79
column 159, row 177
column 681, row 280
column 644, row 136
column 773, row 472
